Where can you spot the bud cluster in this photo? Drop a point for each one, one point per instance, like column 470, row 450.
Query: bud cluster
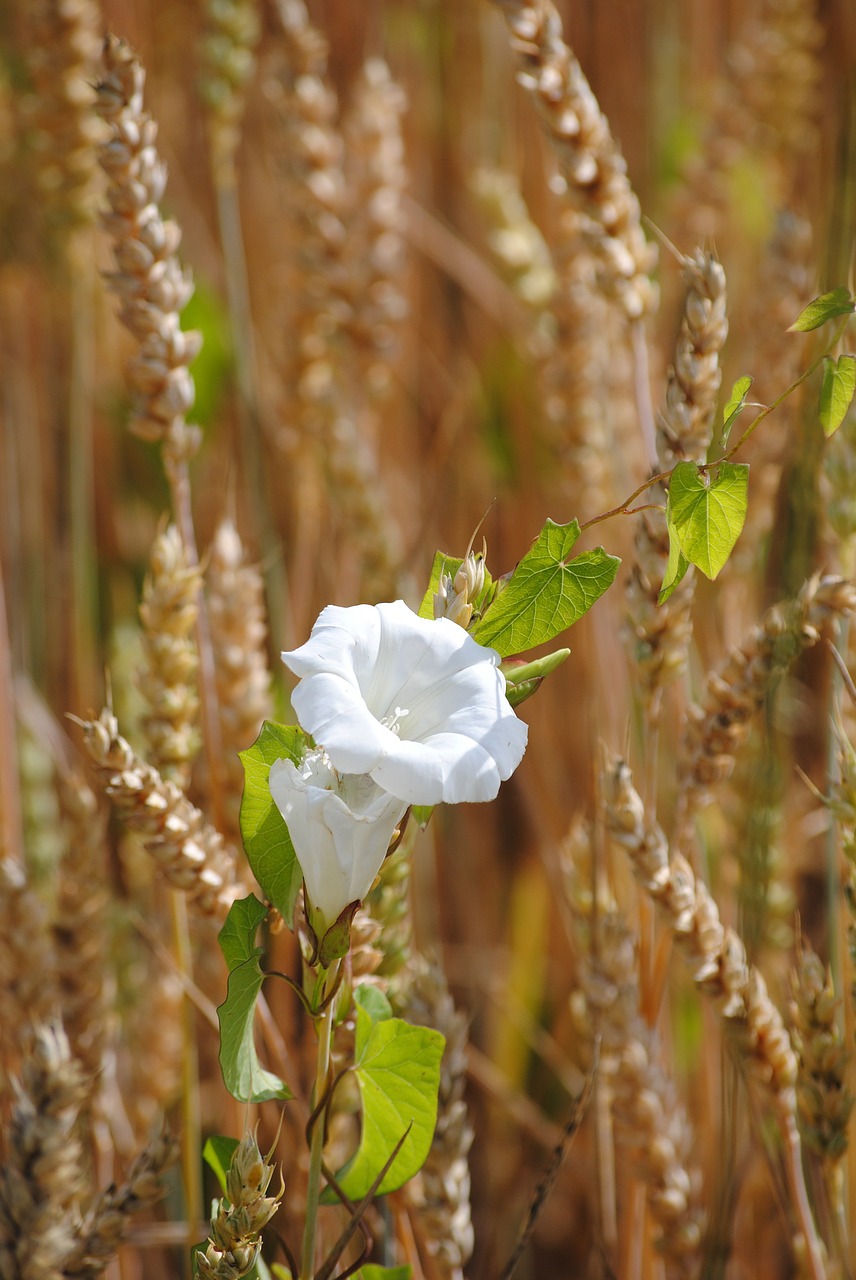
column 236, row 1227
column 455, row 597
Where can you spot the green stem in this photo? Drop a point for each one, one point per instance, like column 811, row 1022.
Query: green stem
column 324, row 1028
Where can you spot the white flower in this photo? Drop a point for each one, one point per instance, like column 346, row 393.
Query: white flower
column 340, row 826
column 417, row 705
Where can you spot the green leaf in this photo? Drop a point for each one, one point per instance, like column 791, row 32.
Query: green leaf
column 373, row 1001
column 371, row 1271
column 735, row 405
column 546, row 593
column 217, row 1154
column 243, row 1074
column 237, row 938
column 836, row 392
column 398, row 1072
column 450, row 564
column 838, row 302
column 706, row 512
column 675, row 569
column 266, row 840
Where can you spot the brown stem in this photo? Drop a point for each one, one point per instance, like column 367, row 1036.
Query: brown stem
column 11, row 821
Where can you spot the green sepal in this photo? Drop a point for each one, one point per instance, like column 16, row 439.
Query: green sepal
column 337, row 940
column 522, row 679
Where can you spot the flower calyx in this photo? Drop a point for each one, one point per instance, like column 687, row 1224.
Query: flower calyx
column 523, row 678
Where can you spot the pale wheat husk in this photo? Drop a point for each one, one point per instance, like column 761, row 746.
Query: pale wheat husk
column 28, row 975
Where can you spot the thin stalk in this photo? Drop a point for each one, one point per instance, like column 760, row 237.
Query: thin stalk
column 191, row 1124
column 324, row 1029
column 799, row 1197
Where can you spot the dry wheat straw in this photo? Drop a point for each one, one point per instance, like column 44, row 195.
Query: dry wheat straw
column 80, row 922
column 441, row 1191
column 659, row 636
column 228, row 62
column 42, row 1183
column 167, row 678
column 190, row 853
column 149, row 280
column 734, row 692
column 329, row 410
column 717, row 959
column 64, row 45
column 590, row 161
column 649, row 1120
column 108, row 1221
column 236, row 612
column 237, row 1224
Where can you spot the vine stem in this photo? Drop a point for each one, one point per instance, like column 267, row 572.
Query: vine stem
column 625, row 509
column 324, row 1027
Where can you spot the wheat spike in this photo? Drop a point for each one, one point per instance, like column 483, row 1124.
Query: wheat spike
column 590, row 161
column 28, row 977
column 167, row 678
column 149, row 280
column 42, row 1183
column 236, row 1226
column 189, row 852
column 228, row 62
column 63, row 54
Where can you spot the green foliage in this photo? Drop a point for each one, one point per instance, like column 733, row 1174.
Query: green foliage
column 836, row 392
column 675, row 569
column 398, row 1072
column 705, row 512
column 267, row 843
column 522, row 679
column 217, row 1154
column 839, row 302
column 237, row 938
column 373, row 1272
column 243, row 1074
column 735, row 405
column 421, row 814
column 451, row 564
column 546, row 593
column 211, row 369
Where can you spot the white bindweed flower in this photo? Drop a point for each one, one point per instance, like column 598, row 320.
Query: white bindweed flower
column 417, row 705
column 340, row 826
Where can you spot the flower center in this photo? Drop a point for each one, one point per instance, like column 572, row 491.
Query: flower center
column 391, row 721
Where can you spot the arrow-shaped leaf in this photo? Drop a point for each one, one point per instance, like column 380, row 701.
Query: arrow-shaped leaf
column 243, row 1074
column 836, row 392
column 267, row 843
column 838, row 302
column 706, row 514
column 547, row 592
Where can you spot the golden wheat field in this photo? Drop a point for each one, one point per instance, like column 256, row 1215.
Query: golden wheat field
column 537, row 317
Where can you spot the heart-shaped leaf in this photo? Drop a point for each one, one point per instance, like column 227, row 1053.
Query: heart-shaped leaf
column 734, row 405
column 546, row 593
column 705, row 512
column 397, row 1067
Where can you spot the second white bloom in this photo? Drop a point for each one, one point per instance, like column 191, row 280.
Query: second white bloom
column 341, row 827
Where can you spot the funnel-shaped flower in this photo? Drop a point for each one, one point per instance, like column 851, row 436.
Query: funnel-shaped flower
column 340, row 826
column 417, row 705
